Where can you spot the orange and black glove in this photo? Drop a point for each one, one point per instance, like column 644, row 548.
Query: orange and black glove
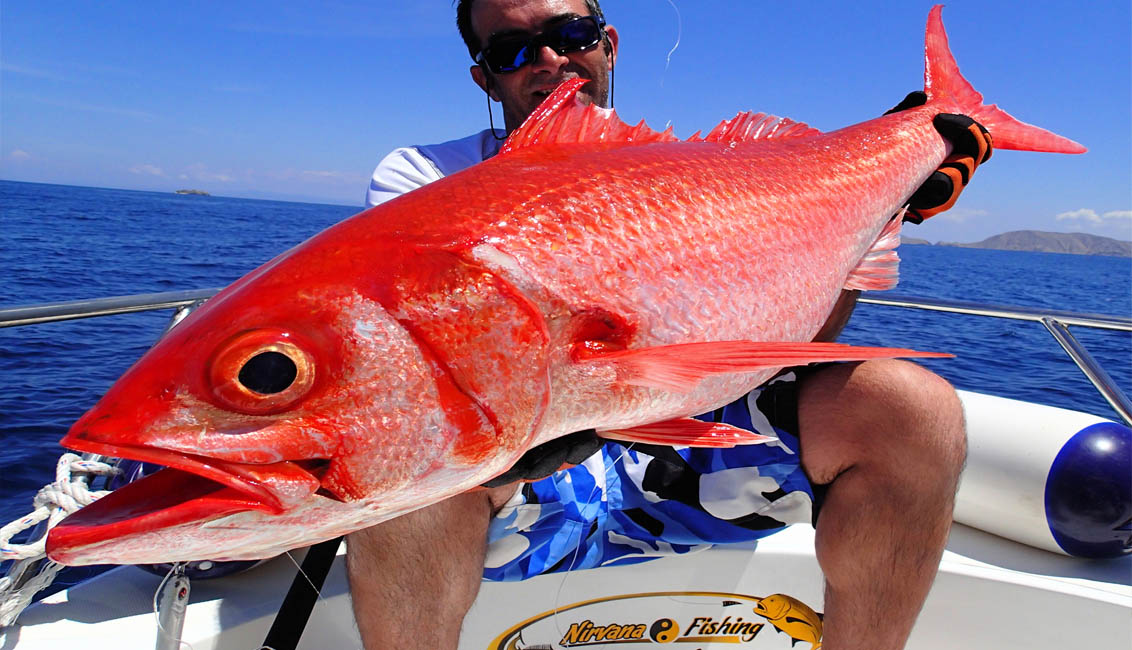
column 971, row 146
column 549, row 457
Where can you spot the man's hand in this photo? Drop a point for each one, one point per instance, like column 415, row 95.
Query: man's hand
column 549, row 457
column 971, row 146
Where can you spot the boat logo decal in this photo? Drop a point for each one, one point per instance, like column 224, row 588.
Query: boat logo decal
column 683, row 617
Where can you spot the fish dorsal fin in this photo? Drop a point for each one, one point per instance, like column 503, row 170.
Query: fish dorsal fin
column 747, row 127
column 562, row 119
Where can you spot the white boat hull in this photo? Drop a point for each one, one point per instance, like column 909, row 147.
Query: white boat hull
column 989, row 593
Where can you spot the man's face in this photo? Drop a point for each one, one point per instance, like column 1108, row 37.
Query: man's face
column 524, row 89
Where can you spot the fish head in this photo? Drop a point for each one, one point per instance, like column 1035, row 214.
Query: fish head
column 291, row 413
column 772, row 607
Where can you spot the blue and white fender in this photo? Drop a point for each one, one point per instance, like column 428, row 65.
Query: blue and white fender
column 1048, row 477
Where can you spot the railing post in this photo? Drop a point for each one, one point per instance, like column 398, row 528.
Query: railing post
column 1088, row 365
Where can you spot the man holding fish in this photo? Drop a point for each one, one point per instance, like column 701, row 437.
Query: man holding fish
column 880, row 442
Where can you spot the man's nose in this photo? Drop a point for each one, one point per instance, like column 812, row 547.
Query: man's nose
column 546, row 59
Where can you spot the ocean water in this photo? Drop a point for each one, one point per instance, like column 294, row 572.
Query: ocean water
column 66, row 243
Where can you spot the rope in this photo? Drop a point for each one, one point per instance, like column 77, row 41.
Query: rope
column 54, row 501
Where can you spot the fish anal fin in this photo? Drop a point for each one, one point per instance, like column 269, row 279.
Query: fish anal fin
column 686, row 432
column 879, row 269
column 562, row 118
column 749, row 127
column 679, row 368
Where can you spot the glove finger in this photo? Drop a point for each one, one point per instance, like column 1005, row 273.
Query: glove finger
column 939, row 193
column 546, row 465
column 583, row 449
column 986, row 143
column 914, row 99
column 542, row 461
column 965, row 165
column 966, row 136
column 935, row 191
column 531, row 466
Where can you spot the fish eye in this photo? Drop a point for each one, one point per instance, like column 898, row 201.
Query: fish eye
column 260, row 372
column 268, row 373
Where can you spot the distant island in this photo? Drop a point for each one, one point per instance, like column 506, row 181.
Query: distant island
column 200, row 192
column 1073, row 243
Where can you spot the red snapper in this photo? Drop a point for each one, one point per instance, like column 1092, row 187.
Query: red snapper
column 592, row 275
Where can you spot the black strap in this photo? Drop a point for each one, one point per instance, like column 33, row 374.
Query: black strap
column 297, row 605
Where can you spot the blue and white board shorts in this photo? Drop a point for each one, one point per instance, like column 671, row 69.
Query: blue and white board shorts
column 623, row 505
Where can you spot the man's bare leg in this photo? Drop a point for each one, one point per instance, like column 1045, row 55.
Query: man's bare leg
column 423, row 566
column 888, row 436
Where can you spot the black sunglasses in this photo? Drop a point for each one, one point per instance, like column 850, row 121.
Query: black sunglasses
column 510, row 54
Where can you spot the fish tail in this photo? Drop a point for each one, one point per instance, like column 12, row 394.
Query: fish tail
column 944, row 84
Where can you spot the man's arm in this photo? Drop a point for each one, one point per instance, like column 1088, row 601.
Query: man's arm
column 403, row 170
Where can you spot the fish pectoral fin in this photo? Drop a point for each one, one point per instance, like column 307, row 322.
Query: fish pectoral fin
column 686, row 432
column 879, row 269
column 679, row 368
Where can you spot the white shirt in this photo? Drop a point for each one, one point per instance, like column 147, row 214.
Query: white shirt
column 408, row 168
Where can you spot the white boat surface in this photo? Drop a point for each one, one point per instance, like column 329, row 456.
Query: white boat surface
column 989, row 593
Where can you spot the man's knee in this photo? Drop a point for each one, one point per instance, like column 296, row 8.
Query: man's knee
column 886, row 411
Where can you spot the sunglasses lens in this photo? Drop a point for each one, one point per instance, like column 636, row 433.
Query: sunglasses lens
column 510, row 55
column 574, row 35
column 507, row 56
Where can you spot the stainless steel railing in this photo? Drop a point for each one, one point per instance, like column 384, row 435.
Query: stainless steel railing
column 1102, row 321
column 71, row 309
column 1056, row 321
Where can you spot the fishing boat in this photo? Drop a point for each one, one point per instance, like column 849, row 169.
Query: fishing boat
column 1038, row 556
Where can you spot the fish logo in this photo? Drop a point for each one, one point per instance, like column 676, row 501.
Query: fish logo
column 792, row 617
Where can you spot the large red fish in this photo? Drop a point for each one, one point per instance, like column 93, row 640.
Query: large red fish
column 592, row 275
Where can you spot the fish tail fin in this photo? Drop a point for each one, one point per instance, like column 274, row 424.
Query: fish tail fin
column 944, row 83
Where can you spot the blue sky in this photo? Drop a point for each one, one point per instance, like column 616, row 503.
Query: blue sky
column 299, row 101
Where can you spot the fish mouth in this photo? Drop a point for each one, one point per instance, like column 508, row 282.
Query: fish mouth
column 190, row 490
column 274, row 487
